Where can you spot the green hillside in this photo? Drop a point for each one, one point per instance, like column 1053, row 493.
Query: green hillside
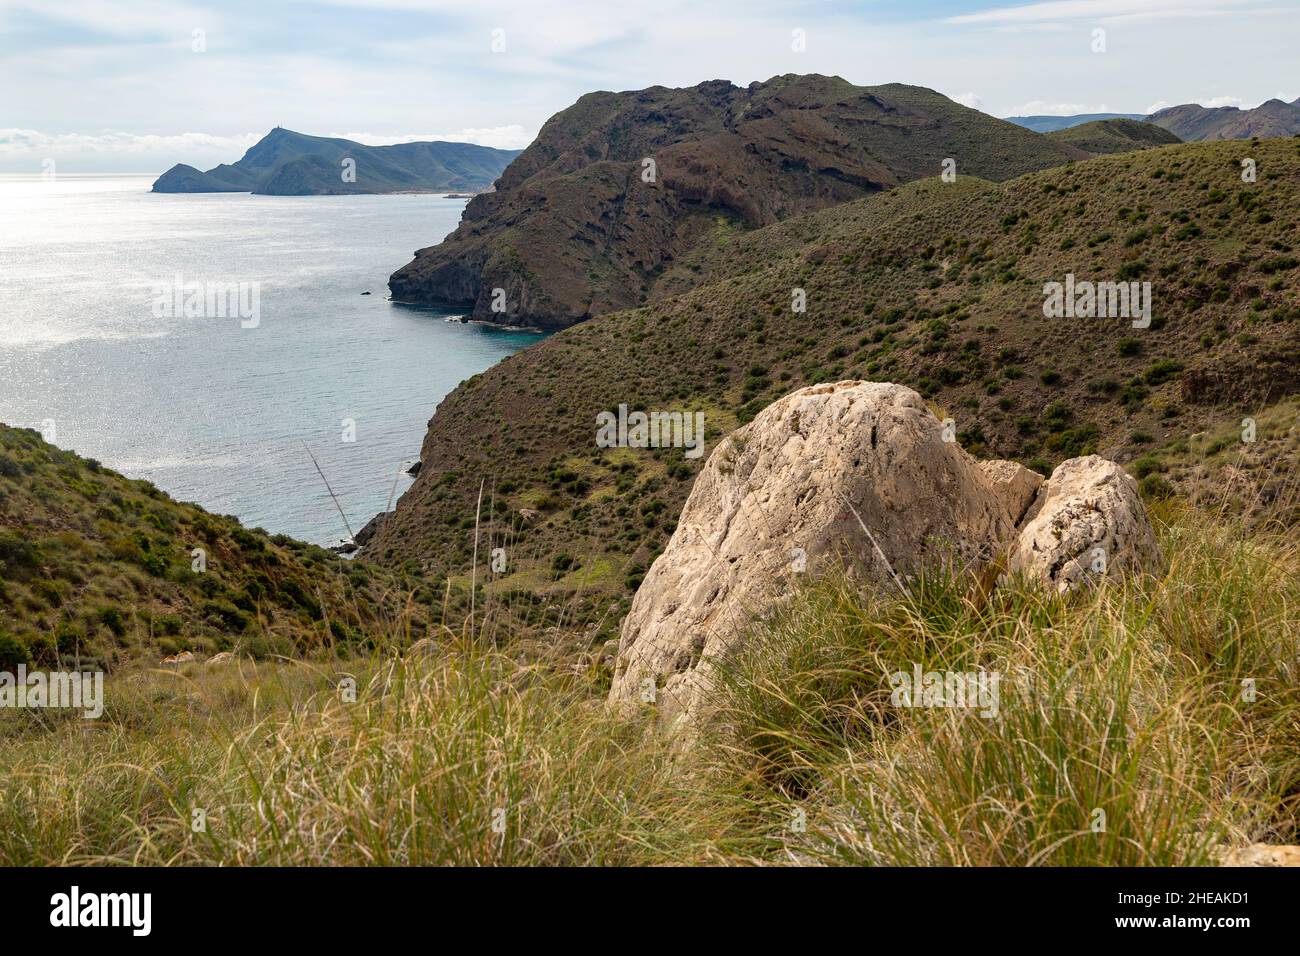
column 935, row 285
column 1119, row 135
column 618, row 186
column 103, row 569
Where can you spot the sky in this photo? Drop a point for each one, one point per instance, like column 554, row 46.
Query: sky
column 137, row 85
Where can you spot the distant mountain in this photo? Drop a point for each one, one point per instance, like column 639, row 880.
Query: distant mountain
column 1114, row 136
column 1192, row 122
column 1050, row 124
column 285, row 163
column 620, row 185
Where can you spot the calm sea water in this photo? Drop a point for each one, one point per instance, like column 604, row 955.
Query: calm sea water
column 209, row 410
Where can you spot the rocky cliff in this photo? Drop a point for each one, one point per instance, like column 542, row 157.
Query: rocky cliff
column 618, row 186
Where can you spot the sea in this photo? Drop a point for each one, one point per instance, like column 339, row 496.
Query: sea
column 215, row 344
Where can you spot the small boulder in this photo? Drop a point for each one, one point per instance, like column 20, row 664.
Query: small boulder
column 225, row 657
column 1087, row 523
column 176, row 660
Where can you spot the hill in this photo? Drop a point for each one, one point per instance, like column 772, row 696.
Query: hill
column 107, row 570
column 285, row 163
column 1051, row 124
column 620, row 185
column 1102, row 137
column 1192, row 122
column 939, row 286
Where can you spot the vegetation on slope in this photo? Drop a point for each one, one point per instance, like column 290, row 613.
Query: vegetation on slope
column 619, row 185
column 1103, row 137
column 934, row 285
column 1129, row 700
column 99, row 570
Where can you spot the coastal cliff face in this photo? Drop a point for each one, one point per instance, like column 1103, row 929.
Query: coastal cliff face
column 620, row 185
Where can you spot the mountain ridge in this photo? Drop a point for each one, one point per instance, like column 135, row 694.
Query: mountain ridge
column 618, row 185
column 288, row 163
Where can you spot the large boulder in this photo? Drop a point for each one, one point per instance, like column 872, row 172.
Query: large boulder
column 853, row 471
column 1087, row 523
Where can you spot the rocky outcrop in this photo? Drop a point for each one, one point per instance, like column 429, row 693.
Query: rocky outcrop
column 1088, row 522
column 858, row 474
column 619, row 185
column 854, row 471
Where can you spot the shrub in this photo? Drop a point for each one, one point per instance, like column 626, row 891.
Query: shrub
column 12, row 653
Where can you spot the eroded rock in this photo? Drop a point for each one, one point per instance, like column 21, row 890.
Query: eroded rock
column 1014, row 484
column 1087, row 523
column 856, row 471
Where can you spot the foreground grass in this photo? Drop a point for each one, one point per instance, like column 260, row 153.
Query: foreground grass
column 1143, row 724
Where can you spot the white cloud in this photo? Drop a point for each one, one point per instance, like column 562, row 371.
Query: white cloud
column 1218, row 101
column 968, row 99
column 1157, row 106
column 1043, row 108
column 1099, row 11
column 30, row 142
column 499, row 137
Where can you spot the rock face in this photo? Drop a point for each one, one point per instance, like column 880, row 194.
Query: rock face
column 1014, row 484
column 859, row 473
column 1088, row 521
column 851, row 470
column 619, row 185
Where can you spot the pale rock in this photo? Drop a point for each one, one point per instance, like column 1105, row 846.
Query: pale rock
column 1014, row 484
column 1263, row 854
column 1087, row 523
column 813, row 479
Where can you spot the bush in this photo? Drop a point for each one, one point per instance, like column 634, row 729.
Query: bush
column 12, row 653
column 18, row 553
column 1154, row 486
column 112, row 619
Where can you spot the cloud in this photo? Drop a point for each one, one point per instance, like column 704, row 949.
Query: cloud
column 968, row 99
column 1099, row 11
column 35, row 145
column 30, row 142
column 499, row 137
column 1043, row 108
column 1218, row 101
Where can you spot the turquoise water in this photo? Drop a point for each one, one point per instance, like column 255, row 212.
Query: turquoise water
column 210, row 410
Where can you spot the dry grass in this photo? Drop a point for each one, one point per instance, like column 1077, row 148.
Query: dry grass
column 1126, row 700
